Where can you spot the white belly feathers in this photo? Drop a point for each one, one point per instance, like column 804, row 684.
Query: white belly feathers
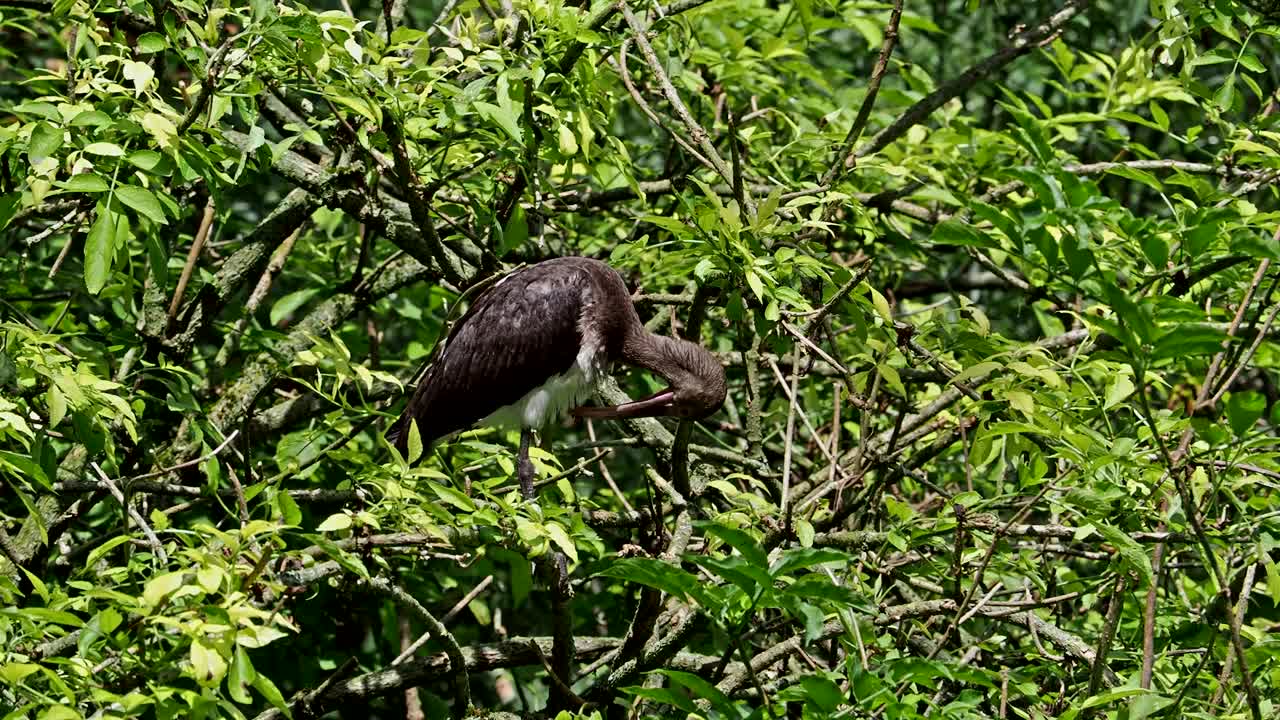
column 551, row 400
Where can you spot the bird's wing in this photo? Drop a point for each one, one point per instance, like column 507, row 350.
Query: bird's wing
column 518, row 334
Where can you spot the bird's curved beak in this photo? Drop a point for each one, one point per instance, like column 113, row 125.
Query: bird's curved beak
column 659, row 403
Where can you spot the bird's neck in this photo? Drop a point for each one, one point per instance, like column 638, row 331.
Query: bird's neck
column 666, row 356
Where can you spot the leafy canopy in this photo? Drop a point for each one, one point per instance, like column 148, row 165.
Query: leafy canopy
column 993, row 284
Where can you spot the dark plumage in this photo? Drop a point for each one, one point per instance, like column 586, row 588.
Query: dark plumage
column 534, row 345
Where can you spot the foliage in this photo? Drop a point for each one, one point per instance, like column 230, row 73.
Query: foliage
column 992, row 282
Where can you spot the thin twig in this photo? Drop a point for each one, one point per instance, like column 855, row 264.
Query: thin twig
column 54, row 227
column 787, row 439
column 190, row 463
column 621, row 65
column 197, row 244
column 260, row 292
column 844, row 156
column 212, row 69
column 608, row 478
column 1248, row 355
column 976, row 581
column 1237, row 617
column 419, row 201
column 1211, row 375
column 1149, row 612
column 132, row 512
column 1108, row 634
column 457, row 607
column 458, row 665
column 696, row 131
column 1023, row 43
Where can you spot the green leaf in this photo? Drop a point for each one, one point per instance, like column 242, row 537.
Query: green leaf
column 160, row 587
column 259, row 635
column 1159, row 115
column 805, row 532
column 264, row 10
column 1141, row 176
column 737, row 539
column 751, row 579
column 665, row 697
column 139, row 74
column 562, row 539
column 285, row 306
column 241, row 676
column 1092, row 503
column 521, row 575
column 336, row 521
column 955, row 232
column 504, row 117
column 1244, row 409
column 568, row 143
column 794, row 559
column 769, row 207
column 1156, row 248
column 1077, row 254
column 404, row 34
column 48, row 111
column 700, row 687
column 207, row 664
column 57, row 405
column 1133, row 317
column 977, row 370
column 268, row 689
column 348, row 561
column 161, row 128
column 1225, row 97
column 660, row 576
column 1189, row 340
column 101, row 551
column 674, row 226
column 1131, row 553
column 104, row 149
column 1045, row 186
column 816, row 586
column 86, row 182
column 91, row 118
column 45, row 141
column 1021, row 401
column 104, row 623
column 59, row 617
column 151, row 42
column 143, row 201
column 822, row 692
column 1273, row 582
column 1119, row 387
column 515, row 233
column 13, row 673
column 453, row 497
column 363, row 107
column 290, row 513
column 756, row 285
column 1251, row 62
column 9, row 205
column 414, row 444
column 147, row 160
column 99, row 250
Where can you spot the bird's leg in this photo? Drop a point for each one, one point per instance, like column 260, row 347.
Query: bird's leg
column 524, row 466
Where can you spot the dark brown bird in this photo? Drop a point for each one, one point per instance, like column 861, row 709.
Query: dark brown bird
column 535, row 344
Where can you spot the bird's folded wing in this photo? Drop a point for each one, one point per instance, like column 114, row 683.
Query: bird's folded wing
column 517, row 335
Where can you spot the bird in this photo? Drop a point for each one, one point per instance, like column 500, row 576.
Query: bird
column 536, row 343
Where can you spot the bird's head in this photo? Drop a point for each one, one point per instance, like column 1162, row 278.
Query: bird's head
column 696, row 385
